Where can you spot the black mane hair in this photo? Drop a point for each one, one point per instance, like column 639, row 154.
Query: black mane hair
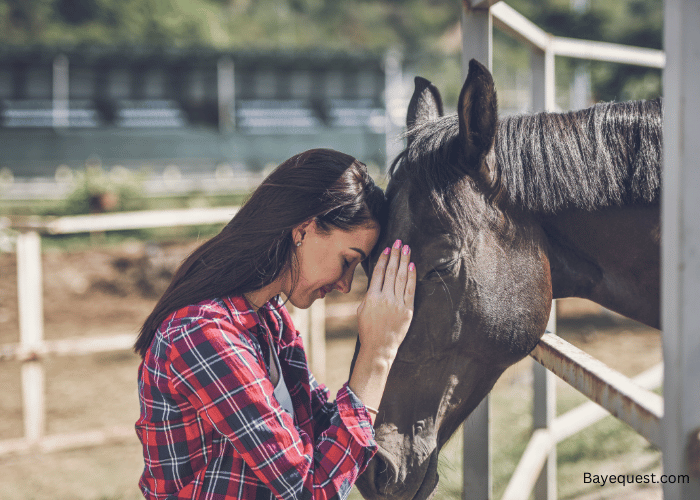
column 606, row 155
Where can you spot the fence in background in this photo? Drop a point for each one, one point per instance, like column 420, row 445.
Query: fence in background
column 628, row 400
column 33, row 348
column 640, row 408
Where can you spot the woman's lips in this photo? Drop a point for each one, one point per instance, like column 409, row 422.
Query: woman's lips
column 324, row 290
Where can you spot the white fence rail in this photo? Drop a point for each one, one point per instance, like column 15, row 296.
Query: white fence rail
column 515, row 24
column 524, row 478
column 642, row 409
column 33, row 348
column 585, row 374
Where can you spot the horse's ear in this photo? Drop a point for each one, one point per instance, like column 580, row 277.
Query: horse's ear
column 426, row 103
column 478, row 116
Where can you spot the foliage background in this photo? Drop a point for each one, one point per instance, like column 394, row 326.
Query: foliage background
column 424, row 30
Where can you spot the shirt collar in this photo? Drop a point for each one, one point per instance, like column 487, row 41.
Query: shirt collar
column 245, row 313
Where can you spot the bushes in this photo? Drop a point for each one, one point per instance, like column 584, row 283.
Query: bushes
column 99, row 192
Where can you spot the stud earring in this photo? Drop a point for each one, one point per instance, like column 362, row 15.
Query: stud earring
column 299, row 243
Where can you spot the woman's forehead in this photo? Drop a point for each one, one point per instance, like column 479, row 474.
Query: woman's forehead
column 361, row 239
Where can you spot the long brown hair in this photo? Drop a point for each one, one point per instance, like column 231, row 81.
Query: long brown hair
column 253, row 249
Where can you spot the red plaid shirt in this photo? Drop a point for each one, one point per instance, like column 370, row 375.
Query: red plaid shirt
column 211, row 427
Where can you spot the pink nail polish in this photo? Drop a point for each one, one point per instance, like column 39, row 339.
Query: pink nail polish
column 386, row 251
column 411, row 267
column 397, row 244
column 406, row 249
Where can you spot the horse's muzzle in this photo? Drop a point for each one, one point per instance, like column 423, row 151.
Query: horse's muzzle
column 384, row 479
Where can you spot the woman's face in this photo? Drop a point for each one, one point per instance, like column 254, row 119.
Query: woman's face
column 327, row 261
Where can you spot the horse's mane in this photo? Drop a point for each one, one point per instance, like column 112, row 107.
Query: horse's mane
column 606, row 155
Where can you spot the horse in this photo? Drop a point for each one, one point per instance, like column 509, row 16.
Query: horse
column 502, row 216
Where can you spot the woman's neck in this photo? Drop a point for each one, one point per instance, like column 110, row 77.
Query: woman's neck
column 258, row 298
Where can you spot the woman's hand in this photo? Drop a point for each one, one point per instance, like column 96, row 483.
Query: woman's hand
column 383, row 317
column 386, row 311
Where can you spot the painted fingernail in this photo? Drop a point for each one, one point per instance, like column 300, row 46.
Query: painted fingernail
column 397, row 244
column 386, row 251
column 406, row 249
column 411, row 267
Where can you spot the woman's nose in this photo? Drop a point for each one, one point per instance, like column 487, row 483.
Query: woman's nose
column 344, row 284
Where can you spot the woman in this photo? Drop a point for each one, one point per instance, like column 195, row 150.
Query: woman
column 228, row 406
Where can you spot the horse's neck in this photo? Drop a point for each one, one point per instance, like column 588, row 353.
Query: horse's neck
column 610, row 256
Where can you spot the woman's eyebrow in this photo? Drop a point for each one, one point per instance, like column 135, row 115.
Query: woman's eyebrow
column 362, row 254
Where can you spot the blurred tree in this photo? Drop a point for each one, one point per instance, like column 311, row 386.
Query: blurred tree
column 630, row 22
column 76, row 12
column 642, row 27
column 417, row 27
column 23, row 20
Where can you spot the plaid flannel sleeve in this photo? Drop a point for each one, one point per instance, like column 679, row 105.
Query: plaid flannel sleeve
column 217, row 369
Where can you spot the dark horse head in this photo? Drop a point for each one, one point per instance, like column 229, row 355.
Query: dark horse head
column 503, row 216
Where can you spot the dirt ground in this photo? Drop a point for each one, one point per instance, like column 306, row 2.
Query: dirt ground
column 111, row 290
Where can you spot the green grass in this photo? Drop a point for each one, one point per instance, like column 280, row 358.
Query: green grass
column 84, row 241
column 61, row 207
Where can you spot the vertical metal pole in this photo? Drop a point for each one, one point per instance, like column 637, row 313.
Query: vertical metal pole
column 311, row 324
column 580, row 89
column 544, row 383
column 477, row 37
column 549, row 81
column 31, row 329
column 544, row 411
column 681, row 245
column 537, row 69
column 226, row 88
column 477, row 29
column 300, row 317
column 395, row 107
column 543, row 85
column 477, row 483
column 60, row 91
column 317, row 334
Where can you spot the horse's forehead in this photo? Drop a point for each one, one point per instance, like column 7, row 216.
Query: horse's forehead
column 400, row 219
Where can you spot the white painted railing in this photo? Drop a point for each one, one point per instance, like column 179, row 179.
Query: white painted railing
column 33, row 348
column 629, row 401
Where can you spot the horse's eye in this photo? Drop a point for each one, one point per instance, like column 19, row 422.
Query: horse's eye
column 442, row 269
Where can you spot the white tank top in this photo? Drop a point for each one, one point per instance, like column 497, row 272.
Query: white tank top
column 280, row 392
column 277, row 378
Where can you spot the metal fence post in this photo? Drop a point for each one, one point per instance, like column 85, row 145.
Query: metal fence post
column 61, row 91
column 394, row 105
column 31, row 328
column 543, row 82
column 477, row 43
column 477, row 36
column 226, row 94
column 544, row 411
column 317, row 337
column 681, row 247
column 311, row 324
column 300, row 317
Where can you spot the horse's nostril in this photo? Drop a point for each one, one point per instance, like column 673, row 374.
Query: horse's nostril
column 385, row 472
column 380, row 479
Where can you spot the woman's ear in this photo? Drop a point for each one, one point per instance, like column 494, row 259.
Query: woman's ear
column 299, row 232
